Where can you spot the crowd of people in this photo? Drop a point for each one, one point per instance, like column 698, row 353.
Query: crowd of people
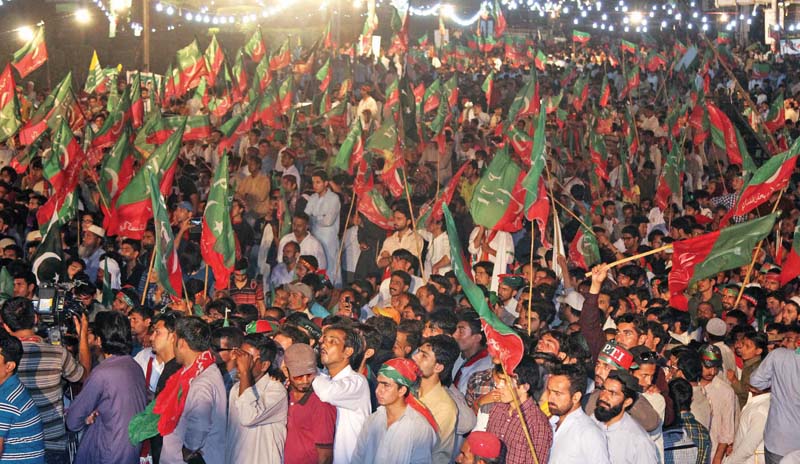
column 344, row 335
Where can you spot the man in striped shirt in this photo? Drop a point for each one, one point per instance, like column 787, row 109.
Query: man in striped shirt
column 41, row 370
column 21, row 433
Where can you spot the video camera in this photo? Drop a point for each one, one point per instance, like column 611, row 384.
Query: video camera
column 56, row 307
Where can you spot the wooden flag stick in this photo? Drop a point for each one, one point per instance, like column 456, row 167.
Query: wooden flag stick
column 564, row 207
column 755, row 255
column 530, row 283
column 634, row 257
column 205, row 283
column 517, row 407
column 341, row 245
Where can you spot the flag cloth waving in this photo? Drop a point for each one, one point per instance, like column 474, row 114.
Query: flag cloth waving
column 501, row 341
column 217, row 243
column 703, row 256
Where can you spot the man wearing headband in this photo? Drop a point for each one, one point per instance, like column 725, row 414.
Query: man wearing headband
column 480, row 448
column 724, row 405
column 402, row 430
column 506, row 292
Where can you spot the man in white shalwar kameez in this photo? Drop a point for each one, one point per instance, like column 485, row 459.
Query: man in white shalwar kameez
column 323, row 209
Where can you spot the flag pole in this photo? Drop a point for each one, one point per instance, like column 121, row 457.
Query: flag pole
column 530, row 281
column 635, row 257
column 341, row 245
column 563, row 207
column 517, row 407
column 417, row 251
column 149, row 271
column 205, row 282
column 755, row 254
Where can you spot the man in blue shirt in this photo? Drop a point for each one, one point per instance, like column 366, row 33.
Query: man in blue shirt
column 21, row 429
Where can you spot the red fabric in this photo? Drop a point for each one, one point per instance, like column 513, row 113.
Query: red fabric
column 171, row 401
column 311, row 423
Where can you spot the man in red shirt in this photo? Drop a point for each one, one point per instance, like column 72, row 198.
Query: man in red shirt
column 312, row 423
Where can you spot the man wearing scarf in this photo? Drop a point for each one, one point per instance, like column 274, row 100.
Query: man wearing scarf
column 402, row 430
column 190, row 413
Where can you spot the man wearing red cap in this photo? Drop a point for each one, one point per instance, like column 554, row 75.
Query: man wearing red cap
column 480, row 448
column 402, row 430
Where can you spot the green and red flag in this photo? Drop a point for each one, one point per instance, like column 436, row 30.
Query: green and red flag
column 584, row 251
column 370, row 202
column 704, row 256
column 540, row 60
column 262, row 75
column 217, row 242
column 631, row 135
column 723, row 38
column 432, row 97
column 393, row 97
column 773, row 176
column 352, row 150
column 215, row 58
column 194, row 128
column 599, row 155
column 239, row 74
column 286, row 94
column 671, row 179
column 269, row 107
column 255, row 48
column 116, row 172
column 450, row 91
column 488, row 88
column 537, row 206
column 499, row 197
column 10, row 119
column 580, row 36
column 499, row 19
column 520, row 141
column 190, row 69
column 62, row 205
column 790, row 268
column 501, row 341
column 580, row 92
column 629, row 47
column 655, row 60
column 32, row 55
column 109, row 132
column 422, row 42
column 776, row 117
column 526, row 101
column 605, row 93
column 55, row 107
column 24, row 156
column 134, row 204
column 324, row 76
column 761, row 70
column 399, row 43
column 632, row 81
column 281, row 58
column 726, row 137
column 327, row 37
column 552, row 102
column 165, row 260
column 137, row 103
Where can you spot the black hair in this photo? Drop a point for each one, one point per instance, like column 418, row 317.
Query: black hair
column 637, row 320
column 545, row 310
column 169, row 318
column 530, row 373
column 689, row 363
column 658, row 332
column 268, row 350
column 195, row 332
column 10, row 348
column 135, row 244
column 114, row 331
column 681, row 392
column 234, row 336
column 18, row 314
column 633, row 230
column 680, row 316
column 474, row 320
column 578, row 381
column 143, row 311
column 293, row 333
column 443, row 319
column 446, row 350
column 485, row 265
column 354, row 339
column 302, row 215
column 404, row 276
column 759, row 339
column 443, row 301
column 740, row 316
column 413, row 330
column 247, row 312
column 387, row 327
column 627, row 391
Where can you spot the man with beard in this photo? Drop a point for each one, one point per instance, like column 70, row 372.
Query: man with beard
column 729, row 293
column 402, row 238
column 309, row 245
column 312, row 423
column 705, row 294
column 133, row 272
column 614, row 358
column 565, row 387
column 284, row 271
column 627, row 441
column 90, row 250
column 506, row 292
column 724, row 405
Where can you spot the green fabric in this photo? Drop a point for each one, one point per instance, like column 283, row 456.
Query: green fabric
column 492, row 195
column 143, row 425
column 532, row 179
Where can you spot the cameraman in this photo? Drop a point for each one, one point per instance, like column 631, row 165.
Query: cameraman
column 85, row 293
column 42, row 368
